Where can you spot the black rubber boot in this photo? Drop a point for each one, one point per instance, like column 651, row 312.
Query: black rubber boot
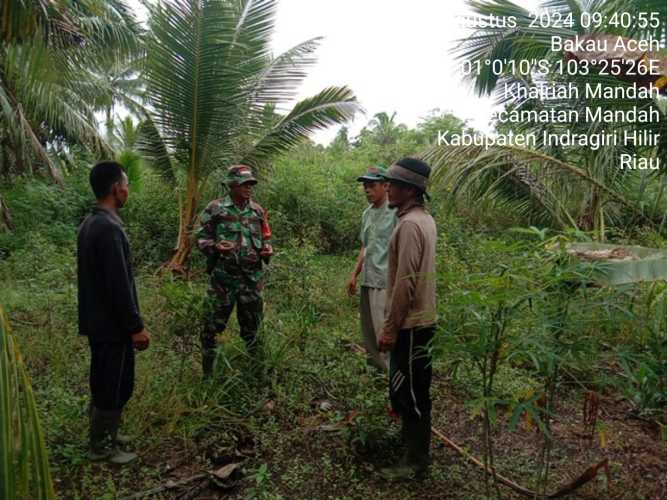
column 419, row 447
column 415, row 462
column 405, row 430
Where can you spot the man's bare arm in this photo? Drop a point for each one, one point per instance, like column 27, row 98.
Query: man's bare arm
column 352, row 283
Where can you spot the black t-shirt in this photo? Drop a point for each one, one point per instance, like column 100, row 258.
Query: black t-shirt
column 108, row 304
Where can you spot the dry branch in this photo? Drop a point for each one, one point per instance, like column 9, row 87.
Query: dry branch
column 584, row 478
column 507, row 482
column 169, row 485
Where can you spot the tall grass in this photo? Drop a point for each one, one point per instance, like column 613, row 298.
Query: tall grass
column 24, row 464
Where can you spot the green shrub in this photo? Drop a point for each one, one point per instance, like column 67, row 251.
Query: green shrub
column 316, row 198
column 53, row 212
column 151, row 220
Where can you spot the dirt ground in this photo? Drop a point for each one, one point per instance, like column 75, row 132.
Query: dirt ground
column 306, row 456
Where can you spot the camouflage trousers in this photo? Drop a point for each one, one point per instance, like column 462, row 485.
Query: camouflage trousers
column 218, row 309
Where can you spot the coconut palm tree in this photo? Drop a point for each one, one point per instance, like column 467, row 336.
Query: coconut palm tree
column 48, row 82
column 384, row 130
column 575, row 186
column 210, row 76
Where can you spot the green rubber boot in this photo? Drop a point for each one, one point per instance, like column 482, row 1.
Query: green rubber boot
column 104, row 438
column 256, row 361
column 100, row 435
column 118, row 456
column 121, row 439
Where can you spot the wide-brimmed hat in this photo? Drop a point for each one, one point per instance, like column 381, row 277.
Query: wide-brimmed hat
column 374, row 173
column 410, row 171
column 239, row 174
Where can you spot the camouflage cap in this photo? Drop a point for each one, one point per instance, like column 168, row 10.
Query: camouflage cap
column 239, row 174
column 374, row 174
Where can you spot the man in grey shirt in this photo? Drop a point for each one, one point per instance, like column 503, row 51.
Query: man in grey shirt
column 377, row 224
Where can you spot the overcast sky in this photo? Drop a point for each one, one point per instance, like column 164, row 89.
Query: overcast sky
column 395, row 55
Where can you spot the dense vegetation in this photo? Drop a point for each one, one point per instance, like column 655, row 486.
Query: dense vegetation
column 539, row 372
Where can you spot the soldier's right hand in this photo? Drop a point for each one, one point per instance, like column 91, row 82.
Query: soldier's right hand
column 225, row 247
column 352, row 286
column 141, row 340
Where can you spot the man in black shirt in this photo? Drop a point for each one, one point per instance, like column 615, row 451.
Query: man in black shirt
column 108, row 311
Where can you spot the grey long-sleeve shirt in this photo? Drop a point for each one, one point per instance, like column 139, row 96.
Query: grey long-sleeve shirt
column 411, row 292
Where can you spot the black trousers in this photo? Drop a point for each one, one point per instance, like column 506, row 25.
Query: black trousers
column 111, row 374
column 410, row 373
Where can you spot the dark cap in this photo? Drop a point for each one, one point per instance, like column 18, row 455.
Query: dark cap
column 410, row 171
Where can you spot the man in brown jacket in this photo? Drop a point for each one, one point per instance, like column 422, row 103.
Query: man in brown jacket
column 410, row 314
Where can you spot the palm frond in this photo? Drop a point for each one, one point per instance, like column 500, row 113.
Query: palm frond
column 494, row 172
column 332, row 106
column 190, row 86
column 24, row 463
column 24, row 135
column 45, row 93
column 523, row 42
column 153, row 149
column 281, row 77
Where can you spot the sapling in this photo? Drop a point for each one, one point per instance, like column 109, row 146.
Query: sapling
column 479, row 332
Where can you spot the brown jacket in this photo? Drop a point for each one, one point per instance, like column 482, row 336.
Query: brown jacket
column 411, row 296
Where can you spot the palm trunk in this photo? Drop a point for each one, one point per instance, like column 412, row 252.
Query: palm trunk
column 589, row 218
column 188, row 216
column 38, row 148
column 6, row 222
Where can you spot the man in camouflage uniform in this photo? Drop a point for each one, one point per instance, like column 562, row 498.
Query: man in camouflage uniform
column 235, row 237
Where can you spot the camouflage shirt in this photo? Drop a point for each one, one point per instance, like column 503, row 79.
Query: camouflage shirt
column 223, row 221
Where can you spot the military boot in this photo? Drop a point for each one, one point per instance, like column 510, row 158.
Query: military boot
column 209, row 347
column 255, row 349
column 207, row 362
column 414, row 464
